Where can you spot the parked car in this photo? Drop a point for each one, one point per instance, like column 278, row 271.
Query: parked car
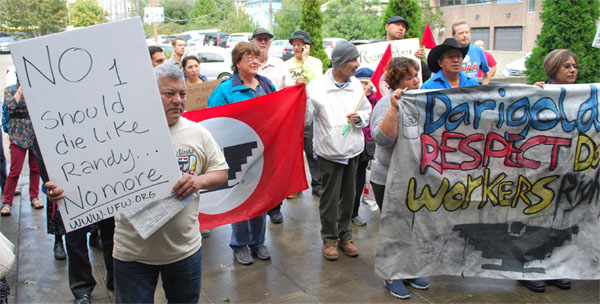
column 236, row 38
column 215, row 62
column 4, row 42
column 281, row 49
column 515, row 68
column 329, row 44
column 194, row 42
column 216, row 39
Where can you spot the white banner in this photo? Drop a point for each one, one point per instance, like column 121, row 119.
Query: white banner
column 98, row 117
column 494, row 181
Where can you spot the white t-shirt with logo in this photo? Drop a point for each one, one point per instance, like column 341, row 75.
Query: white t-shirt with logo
column 197, row 153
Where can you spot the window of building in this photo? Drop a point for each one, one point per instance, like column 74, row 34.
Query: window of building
column 508, row 38
column 531, row 6
column 508, row 1
column 450, row 2
column 478, row 1
column 481, row 33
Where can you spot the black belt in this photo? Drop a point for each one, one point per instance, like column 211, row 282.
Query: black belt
column 20, row 115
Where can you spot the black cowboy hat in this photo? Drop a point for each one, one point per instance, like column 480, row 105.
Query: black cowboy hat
column 439, row 50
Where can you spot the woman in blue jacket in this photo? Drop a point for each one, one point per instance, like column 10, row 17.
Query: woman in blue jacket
column 247, row 237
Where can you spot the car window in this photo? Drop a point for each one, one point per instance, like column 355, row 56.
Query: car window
column 237, row 38
column 210, row 57
column 6, row 39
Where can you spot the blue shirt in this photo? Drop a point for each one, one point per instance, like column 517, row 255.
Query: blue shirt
column 233, row 90
column 474, row 61
column 438, row 81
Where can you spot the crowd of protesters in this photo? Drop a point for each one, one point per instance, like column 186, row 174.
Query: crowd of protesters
column 338, row 154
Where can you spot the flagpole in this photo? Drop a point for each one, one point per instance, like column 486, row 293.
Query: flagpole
column 358, row 105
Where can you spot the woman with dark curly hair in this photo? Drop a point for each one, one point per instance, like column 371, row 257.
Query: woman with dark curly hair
column 402, row 74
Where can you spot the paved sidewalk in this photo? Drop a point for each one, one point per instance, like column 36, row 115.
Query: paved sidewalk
column 297, row 272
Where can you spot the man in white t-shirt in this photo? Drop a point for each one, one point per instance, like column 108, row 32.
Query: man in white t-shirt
column 174, row 250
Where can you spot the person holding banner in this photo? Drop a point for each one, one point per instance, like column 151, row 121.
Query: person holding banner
column 174, row 251
column 191, row 69
column 337, row 102
column 247, row 237
column 402, row 74
column 445, row 60
column 22, row 137
column 561, row 67
column 274, row 69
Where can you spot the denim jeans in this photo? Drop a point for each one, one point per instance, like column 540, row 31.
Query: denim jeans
column 248, row 233
column 136, row 282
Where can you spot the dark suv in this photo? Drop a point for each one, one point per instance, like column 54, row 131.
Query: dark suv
column 216, row 39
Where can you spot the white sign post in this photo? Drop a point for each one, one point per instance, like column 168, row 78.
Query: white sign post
column 154, row 14
column 98, row 118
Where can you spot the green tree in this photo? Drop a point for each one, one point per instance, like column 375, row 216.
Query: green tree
column 204, row 13
column 287, row 20
column 561, row 32
column 86, row 13
column 311, row 21
column 177, row 11
column 432, row 15
column 409, row 10
column 44, row 16
column 137, row 7
column 237, row 22
column 351, row 19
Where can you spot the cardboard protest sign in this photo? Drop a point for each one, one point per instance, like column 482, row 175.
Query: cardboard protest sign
column 371, row 54
column 198, row 93
column 98, row 117
column 494, row 181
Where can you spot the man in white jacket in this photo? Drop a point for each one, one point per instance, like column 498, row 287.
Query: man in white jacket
column 340, row 110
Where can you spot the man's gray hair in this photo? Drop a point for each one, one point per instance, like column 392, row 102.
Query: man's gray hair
column 167, row 70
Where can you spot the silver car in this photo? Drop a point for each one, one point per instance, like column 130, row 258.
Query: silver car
column 4, row 42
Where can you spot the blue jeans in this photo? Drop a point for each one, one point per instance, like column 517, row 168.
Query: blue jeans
column 248, row 233
column 136, row 282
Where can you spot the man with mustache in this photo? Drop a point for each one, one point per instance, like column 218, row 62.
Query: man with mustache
column 340, row 111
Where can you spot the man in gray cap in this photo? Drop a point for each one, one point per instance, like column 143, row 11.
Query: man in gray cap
column 340, row 111
column 276, row 70
column 270, row 67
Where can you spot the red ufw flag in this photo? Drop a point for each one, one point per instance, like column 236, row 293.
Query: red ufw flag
column 427, row 40
column 262, row 140
column 380, row 70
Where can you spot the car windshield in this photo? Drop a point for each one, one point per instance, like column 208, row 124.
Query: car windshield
column 6, row 39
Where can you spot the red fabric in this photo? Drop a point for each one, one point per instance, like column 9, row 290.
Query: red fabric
column 427, row 39
column 17, row 158
column 490, row 60
column 380, row 70
column 278, row 119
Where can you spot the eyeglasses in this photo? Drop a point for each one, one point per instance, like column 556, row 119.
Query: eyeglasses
column 262, row 38
column 251, row 58
column 569, row 66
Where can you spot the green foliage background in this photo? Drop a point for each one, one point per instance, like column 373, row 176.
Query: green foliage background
column 351, row 19
column 311, row 21
column 409, row 10
column 86, row 13
column 568, row 24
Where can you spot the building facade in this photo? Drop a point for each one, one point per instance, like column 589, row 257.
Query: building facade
column 504, row 25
